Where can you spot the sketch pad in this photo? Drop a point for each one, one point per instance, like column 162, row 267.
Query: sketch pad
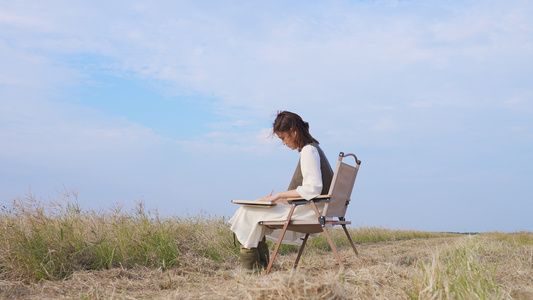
column 251, row 202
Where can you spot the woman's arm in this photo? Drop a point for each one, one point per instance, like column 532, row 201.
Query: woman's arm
column 312, row 178
column 311, row 173
column 280, row 197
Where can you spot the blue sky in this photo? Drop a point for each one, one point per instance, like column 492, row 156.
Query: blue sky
column 171, row 103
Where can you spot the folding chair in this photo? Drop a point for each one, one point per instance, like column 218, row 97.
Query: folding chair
column 336, row 203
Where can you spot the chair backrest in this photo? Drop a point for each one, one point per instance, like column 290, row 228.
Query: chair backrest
column 341, row 187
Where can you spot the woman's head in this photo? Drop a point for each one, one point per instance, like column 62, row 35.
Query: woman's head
column 292, row 130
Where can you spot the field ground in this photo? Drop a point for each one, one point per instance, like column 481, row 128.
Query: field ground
column 492, row 266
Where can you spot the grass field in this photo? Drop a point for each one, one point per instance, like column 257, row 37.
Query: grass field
column 55, row 249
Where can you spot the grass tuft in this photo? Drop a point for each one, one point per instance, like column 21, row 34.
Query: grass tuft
column 460, row 272
column 519, row 237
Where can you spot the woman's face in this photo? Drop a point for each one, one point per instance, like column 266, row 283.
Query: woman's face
column 288, row 139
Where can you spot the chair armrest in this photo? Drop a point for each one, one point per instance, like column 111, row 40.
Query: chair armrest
column 297, row 201
column 300, row 201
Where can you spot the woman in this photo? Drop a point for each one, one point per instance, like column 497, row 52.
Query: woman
column 311, row 178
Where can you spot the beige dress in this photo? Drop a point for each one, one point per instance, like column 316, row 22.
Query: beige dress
column 313, row 169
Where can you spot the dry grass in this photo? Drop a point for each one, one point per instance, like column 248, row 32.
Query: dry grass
column 386, row 270
column 392, row 264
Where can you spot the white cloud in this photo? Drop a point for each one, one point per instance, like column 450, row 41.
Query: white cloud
column 385, row 124
column 41, row 130
column 15, row 19
column 521, row 100
column 300, row 57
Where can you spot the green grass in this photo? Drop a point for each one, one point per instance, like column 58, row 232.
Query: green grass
column 50, row 240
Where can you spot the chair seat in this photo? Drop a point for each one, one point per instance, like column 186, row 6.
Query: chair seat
column 302, row 226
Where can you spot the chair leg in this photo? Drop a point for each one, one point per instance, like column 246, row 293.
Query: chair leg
column 350, row 239
column 333, row 248
column 280, row 239
column 301, row 250
column 327, row 235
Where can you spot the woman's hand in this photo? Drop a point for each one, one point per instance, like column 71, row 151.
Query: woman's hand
column 280, row 197
column 269, row 198
column 282, row 201
column 273, row 198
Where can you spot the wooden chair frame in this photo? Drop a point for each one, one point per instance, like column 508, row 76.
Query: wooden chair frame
column 336, row 203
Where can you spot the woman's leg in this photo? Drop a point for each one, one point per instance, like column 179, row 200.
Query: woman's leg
column 253, row 259
column 264, row 255
column 250, row 259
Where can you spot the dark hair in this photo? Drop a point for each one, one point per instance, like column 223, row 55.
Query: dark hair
column 287, row 121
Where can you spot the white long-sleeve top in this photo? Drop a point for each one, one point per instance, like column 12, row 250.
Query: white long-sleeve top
column 311, row 173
